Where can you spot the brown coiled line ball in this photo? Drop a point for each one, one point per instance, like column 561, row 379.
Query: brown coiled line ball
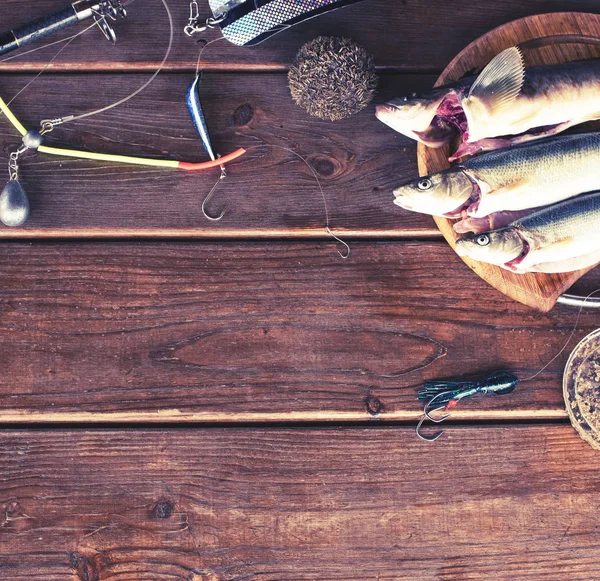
column 333, row 78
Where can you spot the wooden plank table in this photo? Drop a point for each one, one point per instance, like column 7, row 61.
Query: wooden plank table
column 184, row 400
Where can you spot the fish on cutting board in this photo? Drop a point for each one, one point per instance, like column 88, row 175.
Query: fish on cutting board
column 509, row 180
column 558, row 238
column 506, row 104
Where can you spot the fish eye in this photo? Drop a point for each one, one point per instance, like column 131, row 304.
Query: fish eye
column 483, row 240
column 424, row 184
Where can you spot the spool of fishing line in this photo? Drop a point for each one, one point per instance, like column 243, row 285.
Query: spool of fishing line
column 581, row 388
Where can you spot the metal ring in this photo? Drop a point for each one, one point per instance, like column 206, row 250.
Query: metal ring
column 577, row 301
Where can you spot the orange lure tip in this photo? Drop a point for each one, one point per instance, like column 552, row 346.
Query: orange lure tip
column 210, row 164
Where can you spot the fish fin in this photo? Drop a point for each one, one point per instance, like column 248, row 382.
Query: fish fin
column 501, row 81
column 557, row 251
column 593, row 117
column 495, row 200
column 569, row 265
column 475, row 225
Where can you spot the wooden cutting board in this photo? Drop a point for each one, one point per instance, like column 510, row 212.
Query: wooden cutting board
column 539, row 291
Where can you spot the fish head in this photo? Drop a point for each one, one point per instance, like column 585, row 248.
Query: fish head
column 440, row 194
column 495, row 247
column 416, row 117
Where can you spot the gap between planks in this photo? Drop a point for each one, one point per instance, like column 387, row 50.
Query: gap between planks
column 188, row 67
column 178, row 234
column 175, row 416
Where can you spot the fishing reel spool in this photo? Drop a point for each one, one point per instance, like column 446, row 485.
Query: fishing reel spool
column 104, row 12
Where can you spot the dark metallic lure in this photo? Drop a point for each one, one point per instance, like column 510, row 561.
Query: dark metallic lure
column 445, row 391
column 249, row 22
column 199, row 120
column 197, row 114
column 443, row 395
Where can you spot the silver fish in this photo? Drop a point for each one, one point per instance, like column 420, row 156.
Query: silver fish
column 512, row 179
column 505, row 105
column 558, row 238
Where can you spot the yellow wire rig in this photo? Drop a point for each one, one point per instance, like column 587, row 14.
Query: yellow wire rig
column 124, row 159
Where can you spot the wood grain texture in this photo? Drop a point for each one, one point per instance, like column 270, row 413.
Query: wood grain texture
column 539, row 291
column 262, row 332
column 270, row 192
column 277, row 505
column 404, row 35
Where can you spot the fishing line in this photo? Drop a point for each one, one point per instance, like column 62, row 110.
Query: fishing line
column 346, row 253
column 48, row 125
column 70, row 118
column 446, row 394
column 69, row 38
column 15, row 207
column 566, row 342
column 67, row 43
column 206, row 45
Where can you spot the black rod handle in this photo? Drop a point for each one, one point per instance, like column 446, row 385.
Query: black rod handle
column 38, row 29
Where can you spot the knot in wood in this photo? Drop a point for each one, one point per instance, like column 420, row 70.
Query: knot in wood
column 163, row 509
column 323, row 166
column 243, row 115
column 373, row 405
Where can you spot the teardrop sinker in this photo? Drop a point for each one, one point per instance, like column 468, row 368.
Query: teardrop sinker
column 14, row 204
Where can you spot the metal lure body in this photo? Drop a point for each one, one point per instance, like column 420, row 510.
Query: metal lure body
column 249, row 22
column 447, row 390
column 197, row 115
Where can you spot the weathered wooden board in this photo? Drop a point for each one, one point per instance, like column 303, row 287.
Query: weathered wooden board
column 539, row 291
column 405, row 35
column 500, row 503
column 270, row 192
column 261, row 332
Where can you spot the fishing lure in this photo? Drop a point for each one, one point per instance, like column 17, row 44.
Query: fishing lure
column 100, row 10
column 14, row 203
column 446, row 394
column 199, row 120
column 249, row 22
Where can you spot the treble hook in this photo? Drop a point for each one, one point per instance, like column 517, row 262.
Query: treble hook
column 427, row 411
column 211, row 194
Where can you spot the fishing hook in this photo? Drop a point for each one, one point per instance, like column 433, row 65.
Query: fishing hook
column 211, row 194
column 427, row 411
column 427, row 438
